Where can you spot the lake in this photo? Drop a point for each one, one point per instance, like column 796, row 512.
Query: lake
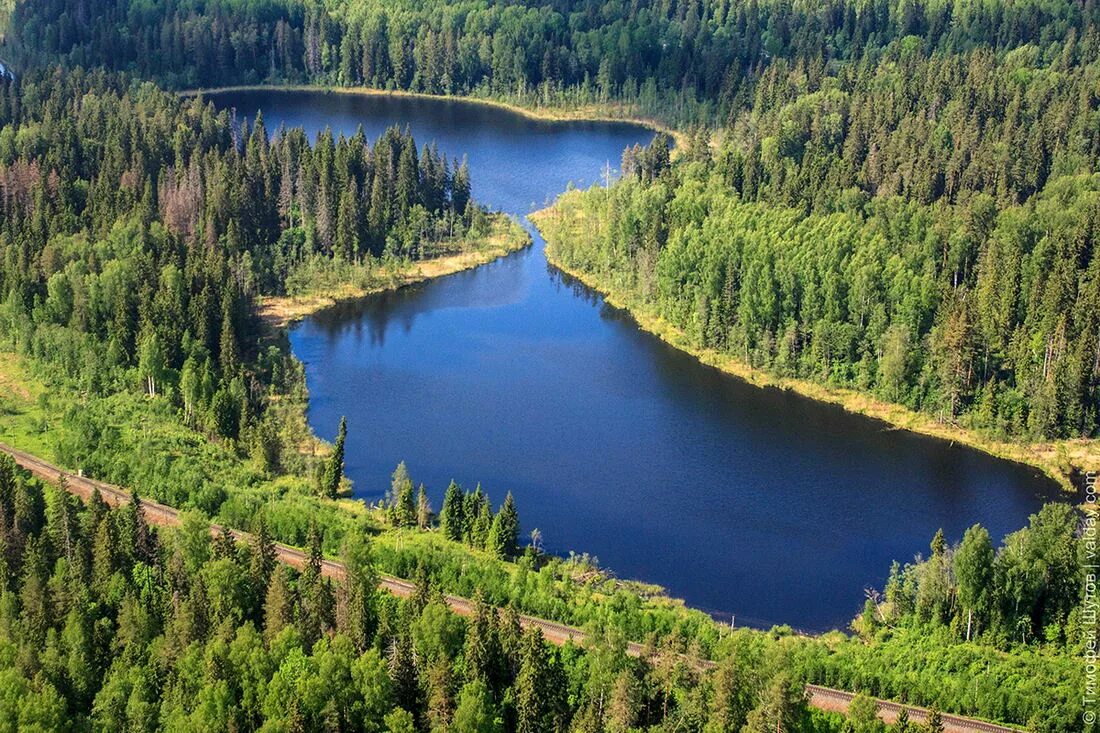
column 743, row 501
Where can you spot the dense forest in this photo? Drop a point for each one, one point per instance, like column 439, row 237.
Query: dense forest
column 137, row 229
column 895, row 196
column 895, row 174
column 108, row 624
column 923, row 227
column 935, row 635
column 978, row 592
column 687, row 59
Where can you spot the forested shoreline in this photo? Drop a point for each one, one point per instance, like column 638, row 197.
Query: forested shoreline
column 902, row 199
column 139, row 232
column 683, row 61
column 1063, row 458
column 212, row 632
column 918, row 229
column 915, row 131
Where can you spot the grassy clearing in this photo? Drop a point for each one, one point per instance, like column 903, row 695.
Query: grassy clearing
column 23, row 414
column 1063, row 460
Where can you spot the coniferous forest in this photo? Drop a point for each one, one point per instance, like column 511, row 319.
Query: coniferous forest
column 686, row 59
column 918, row 224
column 109, row 624
column 893, row 196
column 139, row 229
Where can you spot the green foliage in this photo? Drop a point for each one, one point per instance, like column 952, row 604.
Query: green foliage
column 333, row 472
column 140, row 320
column 1025, row 591
column 540, row 699
column 126, row 637
column 173, row 639
column 686, row 60
column 504, row 533
column 866, row 298
column 781, row 707
column 934, row 722
column 400, row 500
column 452, row 517
column 973, row 564
column 476, row 712
column 904, row 202
column 863, row 715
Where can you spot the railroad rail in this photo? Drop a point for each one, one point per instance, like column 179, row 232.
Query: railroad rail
column 827, row 698
column 166, row 516
column 824, row 698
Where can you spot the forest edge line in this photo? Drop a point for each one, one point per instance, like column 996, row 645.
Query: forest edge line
column 1066, row 461
column 505, row 237
column 823, row 698
column 595, row 113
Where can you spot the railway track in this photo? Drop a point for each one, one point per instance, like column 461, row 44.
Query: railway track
column 166, row 516
column 827, row 698
column 824, row 698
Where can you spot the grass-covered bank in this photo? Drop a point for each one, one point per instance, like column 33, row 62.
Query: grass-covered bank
column 612, row 111
column 566, row 221
column 325, row 284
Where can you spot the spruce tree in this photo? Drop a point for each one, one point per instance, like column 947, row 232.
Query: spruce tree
column 422, row 596
column 935, row 720
column 440, row 707
column 34, row 594
column 402, row 506
column 61, row 523
column 403, row 672
column 510, row 639
column 538, row 688
column 452, row 519
column 334, row 466
column 482, row 649
column 263, row 561
column 504, row 533
column 346, row 246
column 315, row 592
column 104, row 561
column 224, row 547
column 279, row 603
column 141, row 537
column 460, row 186
column 360, row 613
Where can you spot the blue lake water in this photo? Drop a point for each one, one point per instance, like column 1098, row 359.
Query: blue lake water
column 741, row 500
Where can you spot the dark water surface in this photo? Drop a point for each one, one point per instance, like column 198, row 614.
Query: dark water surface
column 741, row 500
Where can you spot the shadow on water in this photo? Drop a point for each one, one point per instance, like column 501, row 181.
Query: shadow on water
column 373, row 316
column 738, row 499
